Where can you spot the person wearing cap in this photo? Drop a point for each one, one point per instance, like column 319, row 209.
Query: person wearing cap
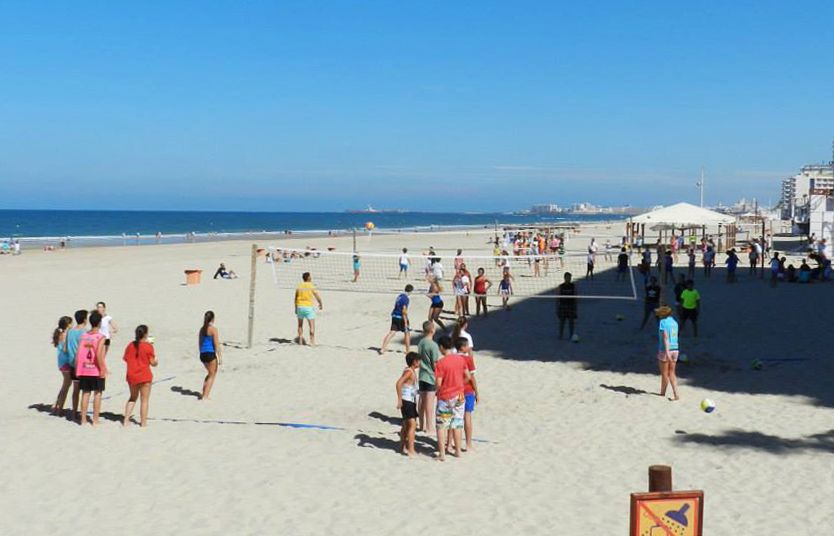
column 667, row 350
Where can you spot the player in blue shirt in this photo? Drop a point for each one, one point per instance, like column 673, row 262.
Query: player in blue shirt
column 399, row 320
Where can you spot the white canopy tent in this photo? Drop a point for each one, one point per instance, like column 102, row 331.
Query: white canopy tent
column 683, row 216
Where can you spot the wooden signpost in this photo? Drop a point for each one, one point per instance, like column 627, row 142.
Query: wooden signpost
column 663, row 512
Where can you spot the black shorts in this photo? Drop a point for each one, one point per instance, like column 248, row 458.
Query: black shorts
column 207, row 357
column 91, row 383
column 73, row 376
column 106, row 342
column 689, row 314
column 427, row 387
column 397, row 324
column 437, row 305
column 409, row 410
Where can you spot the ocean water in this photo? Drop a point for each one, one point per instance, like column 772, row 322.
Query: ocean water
column 141, row 227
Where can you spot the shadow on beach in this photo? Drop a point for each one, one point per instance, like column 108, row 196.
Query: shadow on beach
column 105, row 415
column 735, row 439
column 782, row 326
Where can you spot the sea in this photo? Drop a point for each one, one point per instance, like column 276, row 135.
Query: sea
column 65, row 228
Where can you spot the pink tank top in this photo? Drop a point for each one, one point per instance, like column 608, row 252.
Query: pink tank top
column 85, row 360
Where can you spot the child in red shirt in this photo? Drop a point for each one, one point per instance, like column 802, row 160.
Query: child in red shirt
column 140, row 357
column 451, row 374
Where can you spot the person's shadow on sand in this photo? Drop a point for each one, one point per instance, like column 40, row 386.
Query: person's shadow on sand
column 397, row 421
column 422, row 445
column 106, row 415
column 185, row 392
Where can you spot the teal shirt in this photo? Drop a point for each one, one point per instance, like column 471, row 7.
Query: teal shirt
column 73, row 337
column 429, row 355
column 670, row 326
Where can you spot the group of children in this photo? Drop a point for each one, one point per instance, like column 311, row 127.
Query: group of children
column 438, row 387
column 82, row 351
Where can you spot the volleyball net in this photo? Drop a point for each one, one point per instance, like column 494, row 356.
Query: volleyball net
column 531, row 276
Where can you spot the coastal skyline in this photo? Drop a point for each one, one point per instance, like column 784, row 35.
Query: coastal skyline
column 432, row 107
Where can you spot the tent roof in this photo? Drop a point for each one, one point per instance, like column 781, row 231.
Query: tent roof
column 684, row 215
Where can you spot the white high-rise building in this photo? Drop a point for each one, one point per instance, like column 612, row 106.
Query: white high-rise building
column 797, row 191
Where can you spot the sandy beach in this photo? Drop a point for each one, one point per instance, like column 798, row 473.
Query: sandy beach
column 566, row 431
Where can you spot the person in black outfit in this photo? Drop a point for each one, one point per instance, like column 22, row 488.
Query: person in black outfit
column 566, row 307
column 652, row 300
column 622, row 265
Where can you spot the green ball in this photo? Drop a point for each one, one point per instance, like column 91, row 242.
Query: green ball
column 756, row 364
column 620, row 318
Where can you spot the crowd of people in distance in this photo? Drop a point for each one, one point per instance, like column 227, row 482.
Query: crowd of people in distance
column 82, row 350
column 10, row 247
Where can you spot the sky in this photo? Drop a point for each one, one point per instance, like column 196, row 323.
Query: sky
column 437, row 106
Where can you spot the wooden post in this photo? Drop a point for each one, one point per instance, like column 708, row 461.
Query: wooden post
column 660, row 478
column 252, row 276
column 354, row 239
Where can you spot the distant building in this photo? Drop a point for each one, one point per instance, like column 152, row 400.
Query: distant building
column 806, row 193
column 547, row 208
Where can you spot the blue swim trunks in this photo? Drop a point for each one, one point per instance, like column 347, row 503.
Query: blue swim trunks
column 470, row 403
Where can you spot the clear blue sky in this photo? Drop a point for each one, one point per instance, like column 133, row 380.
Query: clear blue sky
column 421, row 105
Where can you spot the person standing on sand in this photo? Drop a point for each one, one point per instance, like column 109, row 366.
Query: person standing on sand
column 406, row 388
column 91, row 368
column 470, row 389
column 566, row 305
column 505, row 289
column 652, row 300
column 753, row 257
column 429, row 355
column 667, row 350
column 622, row 265
column 451, row 375
column 482, row 286
column 73, row 339
column 690, row 306
column 589, row 272
column 732, row 263
column 59, row 341
column 305, row 293
column 139, row 357
column 108, row 326
column 209, row 346
column 691, row 265
column 399, row 321
column 357, row 265
column 775, row 269
column 404, row 264
column 709, row 261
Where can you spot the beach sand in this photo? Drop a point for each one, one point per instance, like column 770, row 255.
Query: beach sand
column 568, row 430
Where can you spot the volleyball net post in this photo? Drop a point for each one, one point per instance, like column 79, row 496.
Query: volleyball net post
column 252, row 280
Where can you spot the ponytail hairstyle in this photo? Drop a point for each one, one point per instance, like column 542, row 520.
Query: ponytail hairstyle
column 63, row 323
column 208, row 318
column 461, row 323
column 141, row 332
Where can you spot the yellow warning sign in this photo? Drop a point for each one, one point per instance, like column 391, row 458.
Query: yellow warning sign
column 676, row 513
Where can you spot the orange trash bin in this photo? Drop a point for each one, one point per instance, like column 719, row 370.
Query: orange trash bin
column 192, row 277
